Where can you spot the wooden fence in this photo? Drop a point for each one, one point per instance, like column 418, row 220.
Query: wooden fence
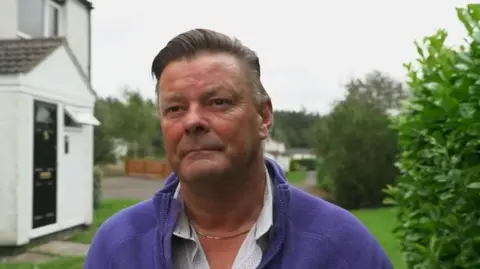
column 147, row 168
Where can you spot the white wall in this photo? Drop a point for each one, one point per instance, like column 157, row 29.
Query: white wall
column 58, row 78
column 74, row 170
column 271, row 145
column 8, row 165
column 77, row 27
column 282, row 160
column 8, row 19
column 74, row 174
column 301, row 156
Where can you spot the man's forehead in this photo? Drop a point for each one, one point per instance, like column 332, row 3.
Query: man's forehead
column 201, row 67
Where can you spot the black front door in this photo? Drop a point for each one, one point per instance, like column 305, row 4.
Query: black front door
column 44, row 164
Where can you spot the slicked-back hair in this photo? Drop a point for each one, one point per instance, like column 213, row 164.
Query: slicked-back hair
column 189, row 44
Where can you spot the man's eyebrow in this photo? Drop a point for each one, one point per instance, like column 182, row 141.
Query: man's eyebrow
column 220, row 88
column 172, row 97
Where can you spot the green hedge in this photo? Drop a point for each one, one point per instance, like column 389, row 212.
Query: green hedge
column 97, row 187
column 309, row 164
column 438, row 194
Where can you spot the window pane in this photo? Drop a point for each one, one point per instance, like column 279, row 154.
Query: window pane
column 53, row 20
column 30, row 17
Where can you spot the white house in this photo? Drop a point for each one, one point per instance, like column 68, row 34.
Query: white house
column 46, row 118
column 301, row 153
column 276, row 150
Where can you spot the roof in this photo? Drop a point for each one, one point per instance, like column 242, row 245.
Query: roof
column 87, row 3
column 19, row 56
column 22, row 55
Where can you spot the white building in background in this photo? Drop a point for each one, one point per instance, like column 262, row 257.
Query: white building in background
column 46, row 118
column 301, row 153
column 276, row 150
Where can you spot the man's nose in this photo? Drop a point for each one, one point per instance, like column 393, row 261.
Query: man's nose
column 194, row 122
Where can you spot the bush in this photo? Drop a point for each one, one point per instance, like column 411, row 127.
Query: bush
column 324, row 181
column 358, row 150
column 309, row 164
column 439, row 130
column 97, row 187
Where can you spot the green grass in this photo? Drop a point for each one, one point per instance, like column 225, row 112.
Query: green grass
column 60, row 263
column 380, row 222
column 108, row 208
column 296, row 177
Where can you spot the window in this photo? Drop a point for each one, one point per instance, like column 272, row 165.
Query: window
column 39, row 18
column 52, row 24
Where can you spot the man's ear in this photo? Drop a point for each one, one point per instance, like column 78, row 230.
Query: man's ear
column 265, row 118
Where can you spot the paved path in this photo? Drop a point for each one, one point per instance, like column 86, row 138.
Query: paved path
column 310, row 179
column 129, row 187
column 142, row 188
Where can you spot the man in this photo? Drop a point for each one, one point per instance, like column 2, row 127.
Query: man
column 225, row 206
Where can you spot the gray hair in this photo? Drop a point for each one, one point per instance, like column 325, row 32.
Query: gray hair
column 190, row 43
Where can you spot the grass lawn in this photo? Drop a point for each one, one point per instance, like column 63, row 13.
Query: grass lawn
column 60, row 263
column 379, row 221
column 107, row 209
column 296, row 177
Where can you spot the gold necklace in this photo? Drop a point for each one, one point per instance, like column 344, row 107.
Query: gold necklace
column 222, row 237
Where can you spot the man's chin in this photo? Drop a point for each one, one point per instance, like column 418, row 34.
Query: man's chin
column 202, row 170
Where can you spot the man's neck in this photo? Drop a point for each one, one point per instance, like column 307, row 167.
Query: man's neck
column 226, row 208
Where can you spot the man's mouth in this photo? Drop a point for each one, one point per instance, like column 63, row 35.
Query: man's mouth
column 200, row 151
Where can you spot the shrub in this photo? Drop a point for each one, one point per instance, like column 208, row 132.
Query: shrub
column 324, row 181
column 439, row 130
column 97, row 187
column 358, row 150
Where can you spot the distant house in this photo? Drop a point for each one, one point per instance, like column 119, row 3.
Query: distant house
column 276, row 150
column 301, row 153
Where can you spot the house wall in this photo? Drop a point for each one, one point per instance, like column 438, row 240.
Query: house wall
column 271, row 145
column 8, row 163
column 74, row 172
column 282, row 160
column 64, row 84
column 77, row 32
column 55, row 80
column 301, row 156
column 8, row 19
column 75, row 27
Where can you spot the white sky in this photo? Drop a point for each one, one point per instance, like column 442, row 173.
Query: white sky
column 308, row 48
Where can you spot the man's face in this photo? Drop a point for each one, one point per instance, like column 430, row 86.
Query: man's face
column 211, row 127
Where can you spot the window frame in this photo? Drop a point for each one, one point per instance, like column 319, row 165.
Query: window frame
column 47, row 16
column 47, row 4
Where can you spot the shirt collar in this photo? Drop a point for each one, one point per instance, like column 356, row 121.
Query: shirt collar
column 262, row 226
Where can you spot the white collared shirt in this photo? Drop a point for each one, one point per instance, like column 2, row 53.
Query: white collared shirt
column 188, row 252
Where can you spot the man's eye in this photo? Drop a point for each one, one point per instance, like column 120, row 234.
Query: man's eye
column 220, row 102
column 172, row 109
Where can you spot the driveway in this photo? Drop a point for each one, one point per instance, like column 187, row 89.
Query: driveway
column 129, row 187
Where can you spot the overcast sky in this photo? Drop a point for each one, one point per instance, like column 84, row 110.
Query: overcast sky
column 308, row 48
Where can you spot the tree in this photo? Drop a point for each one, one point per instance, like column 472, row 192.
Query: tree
column 357, row 146
column 294, row 128
column 130, row 120
column 437, row 193
column 136, row 122
column 103, row 140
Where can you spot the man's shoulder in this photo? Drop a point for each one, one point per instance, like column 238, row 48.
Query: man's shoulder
column 315, row 215
column 332, row 225
column 129, row 222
